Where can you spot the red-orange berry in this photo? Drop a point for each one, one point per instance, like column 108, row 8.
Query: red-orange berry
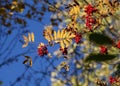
column 103, row 50
column 78, row 38
column 89, row 9
column 112, row 80
column 118, row 44
column 64, row 51
column 89, row 22
column 42, row 49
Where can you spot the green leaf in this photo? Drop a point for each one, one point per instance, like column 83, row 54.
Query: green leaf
column 99, row 38
column 118, row 66
column 100, row 57
column 1, row 83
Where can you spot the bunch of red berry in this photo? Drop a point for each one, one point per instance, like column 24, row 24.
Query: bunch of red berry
column 89, row 22
column 113, row 80
column 42, row 50
column 64, row 51
column 89, row 19
column 103, row 50
column 89, row 9
column 118, row 44
column 78, row 37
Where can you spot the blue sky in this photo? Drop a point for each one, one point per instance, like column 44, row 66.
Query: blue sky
column 9, row 73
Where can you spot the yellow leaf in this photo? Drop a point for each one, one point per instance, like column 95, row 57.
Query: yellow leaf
column 28, row 39
column 24, row 45
column 64, row 37
column 32, row 37
column 29, row 36
column 30, row 62
column 55, row 35
column 68, row 34
column 72, row 36
column 58, row 34
column 63, row 63
column 12, row 7
column 66, row 42
column 25, row 39
column 75, row 10
column 71, row 11
column 62, row 33
column 47, row 33
column 62, row 44
column 51, row 38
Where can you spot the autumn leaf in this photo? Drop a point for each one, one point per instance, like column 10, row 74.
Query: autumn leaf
column 28, row 39
column 75, row 10
column 28, row 59
column 30, row 62
column 63, row 37
column 47, row 33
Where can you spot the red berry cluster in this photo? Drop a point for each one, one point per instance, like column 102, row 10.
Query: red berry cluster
column 89, row 22
column 113, row 80
column 89, row 19
column 89, row 9
column 78, row 38
column 64, row 51
column 118, row 44
column 103, row 50
column 42, row 50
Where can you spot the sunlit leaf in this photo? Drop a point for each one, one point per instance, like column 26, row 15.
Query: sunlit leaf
column 55, row 36
column 30, row 62
column 32, row 37
column 58, row 34
column 75, row 10
column 24, row 45
column 63, row 63
column 52, row 9
column 64, row 38
column 47, row 33
column 29, row 36
column 28, row 39
column 62, row 45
